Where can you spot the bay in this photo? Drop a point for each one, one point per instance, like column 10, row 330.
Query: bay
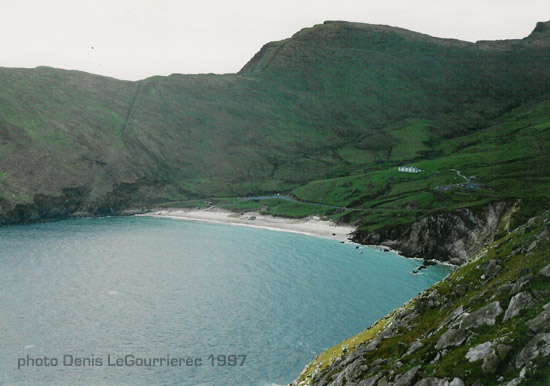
column 132, row 288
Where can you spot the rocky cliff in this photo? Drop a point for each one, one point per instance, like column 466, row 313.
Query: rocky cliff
column 444, row 236
column 487, row 323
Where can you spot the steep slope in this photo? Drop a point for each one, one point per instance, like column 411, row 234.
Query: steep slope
column 335, row 99
column 485, row 324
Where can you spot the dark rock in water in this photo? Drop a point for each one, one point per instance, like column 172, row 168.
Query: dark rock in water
column 334, row 234
column 357, row 247
column 415, row 272
column 517, row 303
column 386, row 250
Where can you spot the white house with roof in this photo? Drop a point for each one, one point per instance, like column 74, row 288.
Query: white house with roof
column 409, row 169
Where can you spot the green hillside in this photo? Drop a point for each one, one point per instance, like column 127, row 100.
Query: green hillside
column 338, row 100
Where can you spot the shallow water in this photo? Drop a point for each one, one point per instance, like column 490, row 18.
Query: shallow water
column 102, row 289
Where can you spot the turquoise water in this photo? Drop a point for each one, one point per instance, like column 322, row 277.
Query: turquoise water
column 103, row 289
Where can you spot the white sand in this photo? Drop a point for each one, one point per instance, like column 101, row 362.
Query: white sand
column 312, row 226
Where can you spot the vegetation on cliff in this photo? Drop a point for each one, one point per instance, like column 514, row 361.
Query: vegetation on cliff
column 487, row 323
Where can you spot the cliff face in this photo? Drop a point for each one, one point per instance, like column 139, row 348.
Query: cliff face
column 485, row 324
column 444, row 236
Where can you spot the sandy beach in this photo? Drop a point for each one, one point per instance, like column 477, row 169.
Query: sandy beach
column 312, row 226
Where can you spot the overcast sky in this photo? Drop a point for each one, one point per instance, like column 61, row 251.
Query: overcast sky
column 134, row 39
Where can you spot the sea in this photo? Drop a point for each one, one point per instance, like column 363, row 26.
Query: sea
column 153, row 301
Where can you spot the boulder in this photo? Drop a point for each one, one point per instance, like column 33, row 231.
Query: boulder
column 457, row 382
column 519, row 302
column 383, row 382
column 485, row 315
column 486, row 352
column 455, row 314
column 349, row 372
column 371, row 381
column 537, row 347
column 413, row 347
column 453, row 337
column 480, row 351
column 520, row 283
column 545, row 271
column 541, row 322
column 514, row 382
column 492, row 268
column 408, row 378
column 432, row 381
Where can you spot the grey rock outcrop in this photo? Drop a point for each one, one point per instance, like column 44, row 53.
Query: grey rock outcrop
column 545, row 271
column 453, row 337
column 432, row 381
column 485, row 315
column 520, row 283
column 370, row 381
column 492, row 268
column 457, row 382
column 541, row 322
column 480, row 351
column 413, row 347
column 519, row 302
column 537, row 347
column 408, row 378
column 452, row 237
column 492, row 353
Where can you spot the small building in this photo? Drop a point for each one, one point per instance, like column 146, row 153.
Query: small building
column 409, row 169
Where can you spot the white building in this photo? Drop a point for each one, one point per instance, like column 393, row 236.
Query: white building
column 409, row 169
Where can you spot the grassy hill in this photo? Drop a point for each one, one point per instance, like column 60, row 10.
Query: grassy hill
column 338, row 100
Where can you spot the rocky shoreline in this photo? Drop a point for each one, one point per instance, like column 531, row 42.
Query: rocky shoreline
column 485, row 324
column 451, row 237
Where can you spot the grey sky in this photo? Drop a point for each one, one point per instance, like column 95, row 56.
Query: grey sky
column 134, row 39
